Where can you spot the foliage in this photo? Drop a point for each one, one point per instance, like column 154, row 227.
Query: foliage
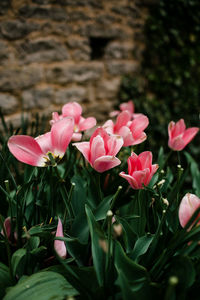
column 170, row 68
column 150, row 257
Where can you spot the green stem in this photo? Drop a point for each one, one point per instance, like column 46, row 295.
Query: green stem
column 98, row 183
column 108, row 256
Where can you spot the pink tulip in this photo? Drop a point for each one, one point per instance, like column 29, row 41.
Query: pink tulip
column 140, row 170
column 179, row 136
column 59, row 246
column 100, row 151
column 129, row 106
column 132, row 131
column 189, row 204
column 35, row 151
column 74, row 110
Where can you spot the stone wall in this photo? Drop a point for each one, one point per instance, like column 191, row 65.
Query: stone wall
column 56, row 51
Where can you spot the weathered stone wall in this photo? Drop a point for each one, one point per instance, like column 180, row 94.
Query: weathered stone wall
column 56, row 51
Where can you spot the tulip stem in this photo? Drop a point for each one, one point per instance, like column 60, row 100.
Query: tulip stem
column 108, row 256
column 98, row 182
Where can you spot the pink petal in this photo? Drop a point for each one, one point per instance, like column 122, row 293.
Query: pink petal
column 133, row 163
column 44, row 141
column 105, row 163
column 138, row 125
column 126, row 134
column 97, row 148
column 189, row 134
column 26, row 149
column 177, row 143
column 76, row 137
column 140, row 139
column 59, row 246
column 61, row 134
column 145, row 159
column 141, row 177
column 114, row 113
column 154, row 168
column 178, row 128
column 102, row 132
column 88, row 123
column 133, row 183
column 127, row 106
column 122, row 119
column 171, row 129
column 109, row 126
column 114, row 144
column 72, row 109
column 84, row 148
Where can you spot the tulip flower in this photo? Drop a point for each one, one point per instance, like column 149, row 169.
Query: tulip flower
column 39, row 151
column 101, row 150
column 59, row 246
column 132, row 131
column 129, row 106
column 189, row 204
column 179, row 136
column 140, row 170
column 74, row 110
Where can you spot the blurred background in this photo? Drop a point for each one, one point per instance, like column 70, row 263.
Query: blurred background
column 101, row 53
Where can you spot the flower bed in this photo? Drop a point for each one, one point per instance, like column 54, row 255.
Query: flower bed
column 97, row 219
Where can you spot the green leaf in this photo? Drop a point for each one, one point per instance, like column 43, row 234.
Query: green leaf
column 41, row 286
column 5, row 279
column 141, row 246
column 97, row 253
column 102, row 209
column 18, row 261
column 131, row 270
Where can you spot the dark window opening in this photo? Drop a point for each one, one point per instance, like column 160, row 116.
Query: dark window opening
column 98, row 45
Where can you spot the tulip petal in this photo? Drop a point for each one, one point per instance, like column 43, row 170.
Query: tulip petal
column 145, row 159
column 114, row 144
column 105, row 163
column 176, row 143
column 84, row 148
column 114, row 113
column 170, row 129
column 59, row 246
column 72, row 109
column 133, row 163
column 87, row 123
column 189, row 134
column 76, row 137
column 27, row 150
column 61, row 134
column 122, row 119
column 109, row 126
column 138, row 125
column 127, row 106
column 133, row 183
column 125, row 132
column 44, row 141
column 178, row 128
column 97, row 148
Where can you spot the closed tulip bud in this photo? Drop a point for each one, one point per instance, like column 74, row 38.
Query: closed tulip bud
column 189, row 204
